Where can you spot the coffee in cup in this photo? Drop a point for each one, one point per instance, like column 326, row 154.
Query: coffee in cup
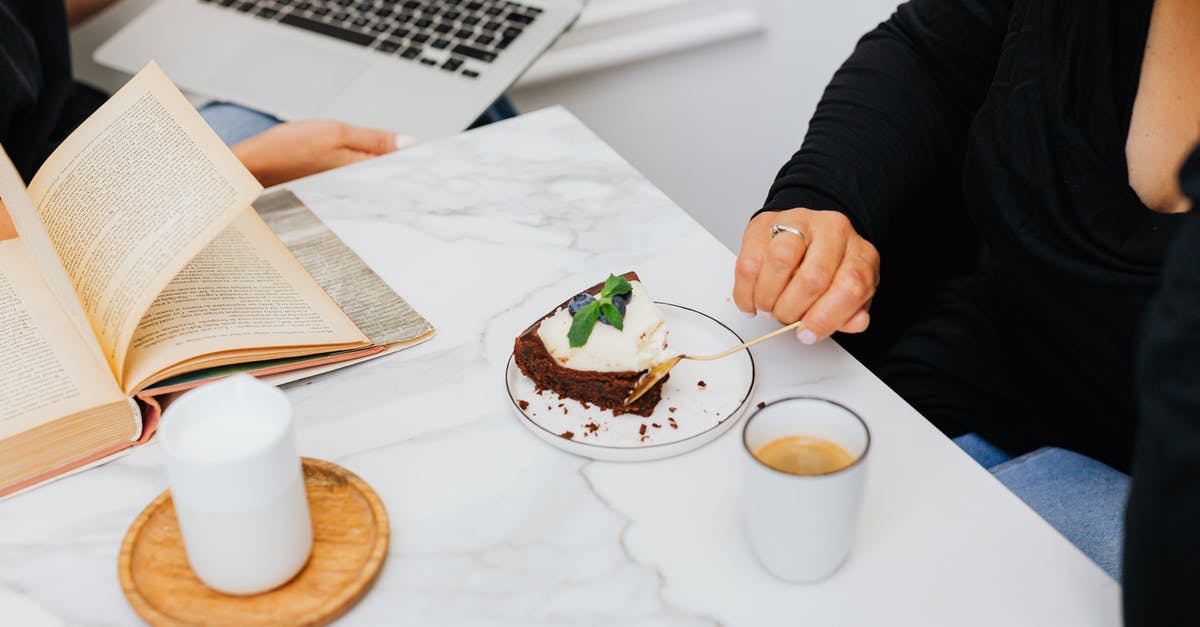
column 804, row 455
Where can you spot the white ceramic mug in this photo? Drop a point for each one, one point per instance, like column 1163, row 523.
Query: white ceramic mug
column 801, row 526
column 237, row 485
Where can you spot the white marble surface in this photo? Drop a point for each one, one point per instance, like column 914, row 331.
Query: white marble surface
column 490, row 526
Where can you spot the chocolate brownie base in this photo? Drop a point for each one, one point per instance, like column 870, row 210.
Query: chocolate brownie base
column 606, row 390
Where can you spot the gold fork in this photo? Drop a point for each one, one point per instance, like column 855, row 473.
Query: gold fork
column 660, row 370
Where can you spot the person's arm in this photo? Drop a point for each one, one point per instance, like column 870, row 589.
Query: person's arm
column 80, row 10
column 898, row 108
column 1162, row 519
column 292, row 150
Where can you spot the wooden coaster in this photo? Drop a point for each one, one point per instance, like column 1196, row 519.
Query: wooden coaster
column 350, row 539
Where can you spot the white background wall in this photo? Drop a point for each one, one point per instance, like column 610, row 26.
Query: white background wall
column 711, row 126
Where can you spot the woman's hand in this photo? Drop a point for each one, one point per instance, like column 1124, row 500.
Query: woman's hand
column 826, row 276
column 296, row 149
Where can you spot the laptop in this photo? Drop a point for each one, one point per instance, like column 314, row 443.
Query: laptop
column 424, row 67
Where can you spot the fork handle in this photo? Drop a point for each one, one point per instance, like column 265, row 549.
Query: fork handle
column 795, row 325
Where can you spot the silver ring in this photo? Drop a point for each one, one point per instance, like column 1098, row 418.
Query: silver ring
column 776, row 229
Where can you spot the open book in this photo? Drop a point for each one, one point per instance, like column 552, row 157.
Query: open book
column 134, row 266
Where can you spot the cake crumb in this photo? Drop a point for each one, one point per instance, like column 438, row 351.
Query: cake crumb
column 592, row 427
column 761, row 404
column 568, row 435
column 560, row 404
column 642, row 429
column 672, row 409
column 656, row 425
column 523, row 404
column 671, row 421
column 701, row 384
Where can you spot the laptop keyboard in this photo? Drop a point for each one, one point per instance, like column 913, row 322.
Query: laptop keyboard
column 458, row 36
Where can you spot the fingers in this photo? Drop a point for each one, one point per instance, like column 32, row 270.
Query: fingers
column 371, row 141
column 749, row 261
column 812, row 278
column 782, row 255
column 844, row 303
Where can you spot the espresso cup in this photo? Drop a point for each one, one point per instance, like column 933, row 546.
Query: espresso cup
column 237, row 484
column 801, row 525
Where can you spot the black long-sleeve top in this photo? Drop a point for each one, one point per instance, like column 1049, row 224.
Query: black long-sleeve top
column 1027, row 106
column 1162, row 527
column 39, row 102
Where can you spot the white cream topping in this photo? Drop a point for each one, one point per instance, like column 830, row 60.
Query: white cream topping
column 641, row 344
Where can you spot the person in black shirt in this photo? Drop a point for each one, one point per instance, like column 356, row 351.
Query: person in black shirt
column 1010, row 166
column 1162, row 547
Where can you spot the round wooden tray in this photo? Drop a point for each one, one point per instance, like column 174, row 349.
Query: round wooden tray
column 350, row 539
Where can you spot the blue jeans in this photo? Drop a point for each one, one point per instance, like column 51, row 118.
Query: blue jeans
column 235, row 123
column 1080, row 497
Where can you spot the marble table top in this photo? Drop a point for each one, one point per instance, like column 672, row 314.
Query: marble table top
column 482, row 233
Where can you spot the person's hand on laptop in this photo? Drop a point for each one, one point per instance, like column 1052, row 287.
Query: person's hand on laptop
column 297, row 149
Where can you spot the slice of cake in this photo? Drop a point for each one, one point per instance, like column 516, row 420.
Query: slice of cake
column 595, row 346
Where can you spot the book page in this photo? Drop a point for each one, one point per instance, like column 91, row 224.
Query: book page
column 373, row 305
column 243, row 291
column 131, row 196
column 46, row 371
column 20, row 219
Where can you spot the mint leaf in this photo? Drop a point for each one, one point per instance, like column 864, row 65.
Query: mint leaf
column 583, row 323
column 613, row 315
column 614, row 285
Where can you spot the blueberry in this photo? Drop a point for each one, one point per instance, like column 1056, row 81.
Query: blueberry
column 579, row 302
column 621, row 300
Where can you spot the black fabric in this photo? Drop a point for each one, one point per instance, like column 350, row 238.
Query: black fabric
column 39, row 103
column 1162, row 546
column 1029, row 102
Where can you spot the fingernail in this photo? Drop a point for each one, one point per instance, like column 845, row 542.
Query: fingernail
column 748, row 314
column 764, row 314
column 807, row 337
column 404, row 140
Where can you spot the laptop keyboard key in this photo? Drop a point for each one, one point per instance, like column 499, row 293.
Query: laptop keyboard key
column 475, row 53
column 519, row 18
column 452, row 64
column 411, row 53
column 470, row 73
column 484, row 40
column 440, row 44
column 354, row 37
column 420, row 38
column 388, row 46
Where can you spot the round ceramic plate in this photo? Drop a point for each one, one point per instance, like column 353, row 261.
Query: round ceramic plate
column 700, row 400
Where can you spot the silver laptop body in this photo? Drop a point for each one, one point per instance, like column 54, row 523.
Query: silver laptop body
column 424, row 67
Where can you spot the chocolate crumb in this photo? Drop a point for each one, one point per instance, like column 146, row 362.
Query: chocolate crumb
column 761, row 404
column 672, row 409
column 564, row 411
column 568, row 435
column 592, row 427
column 523, row 404
column 560, row 404
column 701, row 384
column 674, row 425
column 656, row 425
column 642, row 429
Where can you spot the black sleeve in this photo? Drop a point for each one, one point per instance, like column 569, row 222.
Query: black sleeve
column 895, row 111
column 1162, row 521
column 36, row 89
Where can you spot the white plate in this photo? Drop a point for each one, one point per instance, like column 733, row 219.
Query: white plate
column 689, row 415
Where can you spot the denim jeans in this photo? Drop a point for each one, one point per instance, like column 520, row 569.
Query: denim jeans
column 1080, row 497
column 234, row 123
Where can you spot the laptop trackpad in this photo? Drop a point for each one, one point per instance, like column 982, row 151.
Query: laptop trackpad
column 303, row 79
